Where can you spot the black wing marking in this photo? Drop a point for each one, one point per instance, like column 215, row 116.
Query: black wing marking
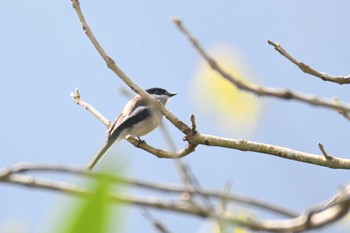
column 141, row 115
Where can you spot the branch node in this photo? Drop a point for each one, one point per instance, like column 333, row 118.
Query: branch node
column 176, row 20
column 193, row 121
column 76, row 96
column 191, row 132
column 328, row 157
column 275, row 45
column 5, row 173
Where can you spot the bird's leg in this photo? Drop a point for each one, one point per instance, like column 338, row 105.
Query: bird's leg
column 140, row 141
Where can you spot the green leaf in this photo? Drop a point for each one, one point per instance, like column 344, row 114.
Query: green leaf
column 94, row 214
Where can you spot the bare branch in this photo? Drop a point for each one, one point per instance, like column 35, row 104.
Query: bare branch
column 308, row 69
column 124, row 77
column 223, row 201
column 76, row 97
column 164, row 187
column 195, row 138
column 155, row 222
column 345, row 114
column 143, row 145
column 320, row 146
column 256, row 89
column 318, row 217
column 282, row 152
column 179, row 164
column 185, row 171
column 162, row 153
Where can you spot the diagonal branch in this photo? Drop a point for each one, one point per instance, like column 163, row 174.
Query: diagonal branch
column 257, row 89
column 308, row 69
column 124, row 77
column 158, row 225
column 76, row 98
column 194, row 138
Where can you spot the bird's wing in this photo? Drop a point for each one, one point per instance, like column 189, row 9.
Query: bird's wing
column 129, row 107
column 140, row 114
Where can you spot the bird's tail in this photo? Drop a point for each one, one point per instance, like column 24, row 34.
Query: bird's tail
column 99, row 154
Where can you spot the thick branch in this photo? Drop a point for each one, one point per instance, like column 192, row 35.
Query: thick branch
column 282, row 152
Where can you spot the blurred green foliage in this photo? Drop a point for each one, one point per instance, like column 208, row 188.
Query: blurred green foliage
column 94, row 214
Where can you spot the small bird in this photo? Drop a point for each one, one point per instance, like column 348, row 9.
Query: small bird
column 139, row 117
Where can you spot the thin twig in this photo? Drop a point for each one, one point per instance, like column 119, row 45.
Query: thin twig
column 186, row 172
column 308, row 69
column 180, row 165
column 257, row 89
column 189, row 148
column 223, row 200
column 155, row 222
column 77, row 99
column 320, row 146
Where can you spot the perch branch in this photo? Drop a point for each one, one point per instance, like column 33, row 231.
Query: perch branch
column 195, row 138
column 123, row 76
column 143, row 145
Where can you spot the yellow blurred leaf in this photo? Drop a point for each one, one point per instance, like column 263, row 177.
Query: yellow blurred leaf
column 228, row 107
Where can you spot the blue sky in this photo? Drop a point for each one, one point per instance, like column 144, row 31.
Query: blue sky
column 45, row 55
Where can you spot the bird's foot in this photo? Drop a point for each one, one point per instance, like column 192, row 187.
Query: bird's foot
column 140, row 141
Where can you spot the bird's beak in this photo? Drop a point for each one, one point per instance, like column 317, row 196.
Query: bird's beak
column 172, row 94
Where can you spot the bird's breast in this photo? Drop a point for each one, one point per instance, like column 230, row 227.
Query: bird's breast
column 146, row 126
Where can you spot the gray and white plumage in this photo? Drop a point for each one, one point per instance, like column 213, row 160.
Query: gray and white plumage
column 138, row 118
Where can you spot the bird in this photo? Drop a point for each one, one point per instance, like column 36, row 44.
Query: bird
column 138, row 118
